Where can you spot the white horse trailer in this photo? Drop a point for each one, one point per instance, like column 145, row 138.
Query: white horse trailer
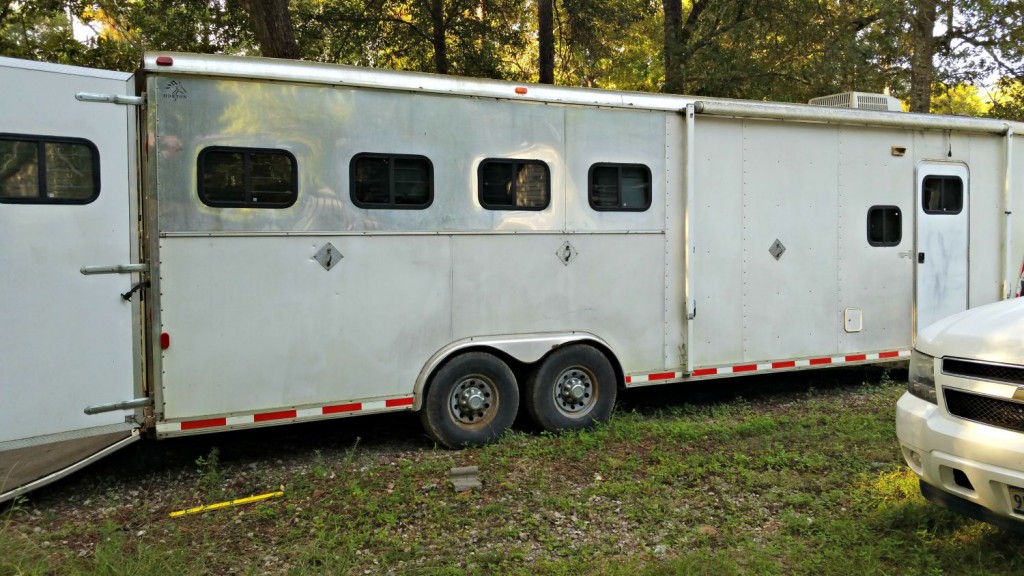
column 218, row 243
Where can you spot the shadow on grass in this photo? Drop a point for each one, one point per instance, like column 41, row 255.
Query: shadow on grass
column 891, row 529
column 397, row 432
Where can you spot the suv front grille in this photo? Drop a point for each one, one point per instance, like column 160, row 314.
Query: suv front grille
column 983, row 370
column 985, row 409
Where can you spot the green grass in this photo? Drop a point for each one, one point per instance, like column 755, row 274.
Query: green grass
column 799, row 475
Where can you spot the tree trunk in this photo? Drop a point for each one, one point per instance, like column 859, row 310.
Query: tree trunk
column 922, row 65
column 546, row 42
column 272, row 26
column 673, row 46
column 439, row 39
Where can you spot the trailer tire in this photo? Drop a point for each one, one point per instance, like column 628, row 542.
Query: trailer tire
column 471, row 401
column 572, row 389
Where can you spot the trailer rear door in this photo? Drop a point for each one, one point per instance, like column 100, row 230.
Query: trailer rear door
column 67, row 201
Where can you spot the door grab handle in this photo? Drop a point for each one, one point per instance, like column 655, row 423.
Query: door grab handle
column 116, row 269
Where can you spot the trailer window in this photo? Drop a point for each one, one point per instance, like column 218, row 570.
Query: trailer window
column 391, row 181
column 620, row 187
column 48, row 170
column 514, row 184
column 885, row 226
column 247, row 178
column 942, row 195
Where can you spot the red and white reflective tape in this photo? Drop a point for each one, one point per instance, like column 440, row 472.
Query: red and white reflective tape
column 293, row 415
column 768, row 366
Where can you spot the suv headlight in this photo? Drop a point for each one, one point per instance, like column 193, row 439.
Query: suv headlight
column 922, row 377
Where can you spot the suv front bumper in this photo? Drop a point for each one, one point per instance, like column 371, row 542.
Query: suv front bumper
column 963, row 465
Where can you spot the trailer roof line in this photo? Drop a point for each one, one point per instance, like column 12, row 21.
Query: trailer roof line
column 777, row 111
column 343, row 75
column 340, row 74
column 19, row 63
column 318, row 73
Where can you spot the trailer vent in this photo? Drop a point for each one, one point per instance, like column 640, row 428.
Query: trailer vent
column 861, row 100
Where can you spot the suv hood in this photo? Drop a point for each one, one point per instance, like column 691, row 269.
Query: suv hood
column 994, row 332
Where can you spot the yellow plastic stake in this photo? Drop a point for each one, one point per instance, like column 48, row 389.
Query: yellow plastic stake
column 219, row 505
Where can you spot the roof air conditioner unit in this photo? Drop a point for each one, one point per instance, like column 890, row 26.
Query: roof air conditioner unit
column 861, row 100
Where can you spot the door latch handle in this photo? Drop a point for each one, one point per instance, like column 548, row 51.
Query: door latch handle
column 127, row 296
column 920, row 257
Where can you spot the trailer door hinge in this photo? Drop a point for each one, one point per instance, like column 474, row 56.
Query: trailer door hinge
column 110, row 98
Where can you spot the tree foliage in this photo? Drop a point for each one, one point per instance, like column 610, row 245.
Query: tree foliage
column 1008, row 100
column 924, row 51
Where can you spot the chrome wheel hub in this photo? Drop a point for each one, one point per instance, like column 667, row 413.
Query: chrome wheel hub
column 574, row 391
column 472, row 399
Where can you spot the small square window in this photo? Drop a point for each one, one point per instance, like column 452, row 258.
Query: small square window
column 514, row 185
column 619, row 187
column 391, row 181
column 942, row 195
column 48, row 170
column 247, row 178
column 885, row 226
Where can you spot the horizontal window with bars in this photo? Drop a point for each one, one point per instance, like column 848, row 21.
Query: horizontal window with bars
column 942, row 195
column 48, row 170
column 514, row 184
column 391, row 181
column 247, row 177
column 885, row 226
column 619, row 187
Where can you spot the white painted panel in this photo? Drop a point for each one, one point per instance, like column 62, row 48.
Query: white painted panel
column 790, row 175
column 986, row 226
column 1017, row 218
column 617, row 291
column 984, row 155
column 615, row 136
column 505, row 284
column 677, row 333
column 942, row 238
column 66, row 339
column 613, row 288
column 256, row 323
column 717, row 239
column 878, row 280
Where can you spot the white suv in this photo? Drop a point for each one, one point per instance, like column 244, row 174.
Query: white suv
column 961, row 422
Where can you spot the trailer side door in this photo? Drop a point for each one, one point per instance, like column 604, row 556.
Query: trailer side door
column 67, row 201
column 942, row 241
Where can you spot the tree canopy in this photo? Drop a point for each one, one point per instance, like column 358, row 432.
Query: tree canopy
column 946, row 56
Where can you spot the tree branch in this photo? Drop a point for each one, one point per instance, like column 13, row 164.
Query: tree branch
column 990, row 48
column 718, row 30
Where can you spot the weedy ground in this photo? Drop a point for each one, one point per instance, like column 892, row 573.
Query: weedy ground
column 787, row 474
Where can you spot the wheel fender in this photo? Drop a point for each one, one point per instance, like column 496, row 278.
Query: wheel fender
column 527, row 348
